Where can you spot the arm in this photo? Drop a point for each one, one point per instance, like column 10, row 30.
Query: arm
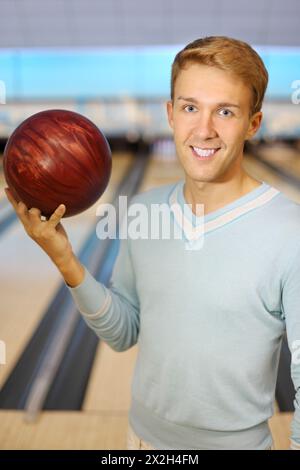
column 113, row 313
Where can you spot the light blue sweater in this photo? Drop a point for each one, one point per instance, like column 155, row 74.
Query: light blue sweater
column 208, row 312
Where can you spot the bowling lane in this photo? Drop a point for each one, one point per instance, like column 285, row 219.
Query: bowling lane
column 28, row 278
column 260, row 171
column 63, row 431
column 282, row 155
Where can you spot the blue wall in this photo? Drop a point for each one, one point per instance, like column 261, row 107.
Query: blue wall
column 115, row 72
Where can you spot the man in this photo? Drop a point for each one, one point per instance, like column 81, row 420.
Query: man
column 208, row 317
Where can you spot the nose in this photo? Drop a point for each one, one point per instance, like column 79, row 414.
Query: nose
column 204, row 127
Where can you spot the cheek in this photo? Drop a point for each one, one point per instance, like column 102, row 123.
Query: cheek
column 232, row 134
column 180, row 132
column 183, row 128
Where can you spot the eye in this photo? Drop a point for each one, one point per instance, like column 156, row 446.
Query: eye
column 189, row 108
column 227, row 112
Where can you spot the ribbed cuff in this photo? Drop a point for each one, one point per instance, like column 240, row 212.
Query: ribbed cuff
column 90, row 296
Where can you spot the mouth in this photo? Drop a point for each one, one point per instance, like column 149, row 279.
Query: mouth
column 204, row 153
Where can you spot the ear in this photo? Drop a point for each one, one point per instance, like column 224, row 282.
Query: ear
column 254, row 124
column 169, row 106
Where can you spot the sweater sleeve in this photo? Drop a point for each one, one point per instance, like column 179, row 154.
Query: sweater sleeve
column 291, row 310
column 112, row 313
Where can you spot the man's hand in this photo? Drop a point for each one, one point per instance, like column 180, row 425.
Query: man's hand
column 51, row 236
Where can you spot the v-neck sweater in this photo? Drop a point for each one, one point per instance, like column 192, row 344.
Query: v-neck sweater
column 208, row 309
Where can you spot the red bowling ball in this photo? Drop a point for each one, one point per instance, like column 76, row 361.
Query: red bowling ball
column 57, row 157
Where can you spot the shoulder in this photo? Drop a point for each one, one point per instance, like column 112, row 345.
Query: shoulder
column 286, row 209
column 282, row 216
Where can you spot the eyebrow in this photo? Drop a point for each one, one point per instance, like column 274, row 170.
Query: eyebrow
column 225, row 104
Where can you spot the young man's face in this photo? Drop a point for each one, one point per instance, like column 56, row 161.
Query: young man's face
column 203, row 118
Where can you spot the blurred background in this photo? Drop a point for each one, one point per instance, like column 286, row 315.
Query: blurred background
column 110, row 60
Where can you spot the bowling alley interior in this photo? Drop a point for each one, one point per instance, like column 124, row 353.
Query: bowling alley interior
column 62, row 386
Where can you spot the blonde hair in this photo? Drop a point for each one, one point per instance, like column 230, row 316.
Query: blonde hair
column 230, row 55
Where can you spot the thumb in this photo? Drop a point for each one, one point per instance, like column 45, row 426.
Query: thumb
column 57, row 215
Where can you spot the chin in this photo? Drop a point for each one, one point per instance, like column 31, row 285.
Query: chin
column 201, row 178
column 204, row 180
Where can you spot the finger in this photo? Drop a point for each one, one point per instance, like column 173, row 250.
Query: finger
column 20, row 207
column 22, row 213
column 34, row 214
column 57, row 215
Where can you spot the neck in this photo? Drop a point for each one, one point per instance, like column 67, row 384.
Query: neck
column 215, row 195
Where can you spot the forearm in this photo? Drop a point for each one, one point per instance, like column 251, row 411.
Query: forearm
column 72, row 270
column 112, row 315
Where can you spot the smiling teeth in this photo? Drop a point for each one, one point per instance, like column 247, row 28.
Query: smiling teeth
column 204, row 152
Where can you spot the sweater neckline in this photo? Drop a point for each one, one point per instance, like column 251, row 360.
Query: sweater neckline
column 194, row 226
column 222, row 210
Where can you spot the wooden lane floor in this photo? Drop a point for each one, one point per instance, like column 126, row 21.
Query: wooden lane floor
column 64, row 430
column 282, row 155
column 29, row 280
column 260, row 171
